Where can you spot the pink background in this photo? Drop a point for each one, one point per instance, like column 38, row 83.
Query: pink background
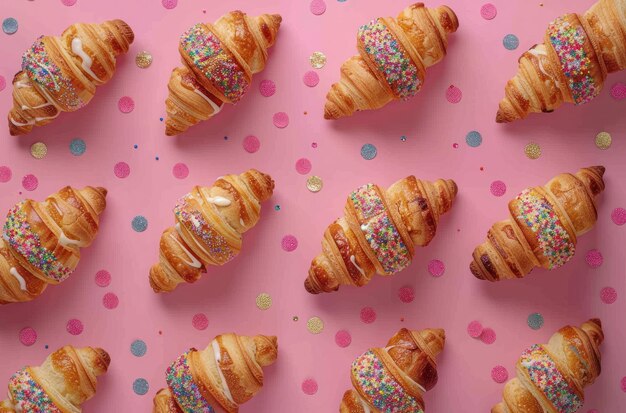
column 477, row 63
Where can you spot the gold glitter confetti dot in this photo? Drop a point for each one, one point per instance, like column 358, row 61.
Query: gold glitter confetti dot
column 603, row 140
column 143, row 60
column 295, row 318
column 314, row 183
column 39, row 150
column 532, row 150
column 263, row 301
column 315, row 325
column 318, row 60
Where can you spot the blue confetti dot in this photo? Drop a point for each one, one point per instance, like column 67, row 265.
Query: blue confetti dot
column 474, row 139
column 156, row 157
column 140, row 223
column 138, row 348
column 78, row 147
column 225, row 138
column 510, row 42
column 161, row 119
column 535, row 321
column 141, row 386
column 9, row 25
column 369, row 151
column 277, row 207
column 135, row 146
column 46, row 346
column 403, row 138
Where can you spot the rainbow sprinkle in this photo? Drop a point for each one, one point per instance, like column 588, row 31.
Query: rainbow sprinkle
column 569, row 43
column 545, row 374
column 28, row 396
column 538, row 215
column 391, row 60
column 185, row 390
column 216, row 62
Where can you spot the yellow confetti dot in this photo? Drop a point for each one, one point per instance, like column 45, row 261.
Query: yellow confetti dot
column 143, row 59
column 318, row 60
column 263, row 301
column 315, row 325
column 533, row 150
column 314, row 183
column 39, row 150
column 603, row 140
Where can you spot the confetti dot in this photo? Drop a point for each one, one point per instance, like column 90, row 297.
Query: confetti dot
column 289, row 243
column 474, row 139
column 280, row 120
column 453, row 94
column 141, row 386
column 169, row 4
column 311, row 78
column 368, row 315
column 436, row 268
column 3, row 83
column 139, row 223
column 110, row 301
column 603, row 140
column 263, row 301
column 618, row 91
column 276, row 207
column 403, row 138
column 314, row 183
column 535, row 321
column 303, row 166
column 143, row 60
column 475, row 329
column 608, row 295
column 532, row 150
column 499, row 374
column 488, row 11
column 594, row 258
column 618, row 215
column 315, row 325
column 38, row 150
column 510, row 42
column 368, row 151
column 406, row 294
column 623, row 384
column 498, row 188
column 200, row 321
column 126, row 104
column 78, row 147
column 121, row 170
column 30, row 182
column 9, row 25
column 138, row 348
column 68, row 3
column 317, row 60
column 180, row 171
column 318, row 7
column 5, row 174
column 314, row 145
column 251, row 144
column 28, row 336
column 103, row 278
column 295, row 318
column 488, row 336
column 74, row 327
column 343, row 338
column 267, row 88
column 309, row 387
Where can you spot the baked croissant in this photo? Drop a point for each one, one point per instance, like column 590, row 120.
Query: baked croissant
column 65, row 380
column 41, row 241
column 552, row 377
column 571, row 64
column 60, row 74
column 226, row 374
column 378, row 232
column 392, row 61
column 542, row 228
column 210, row 222
column 394, row 378
column 219, row 61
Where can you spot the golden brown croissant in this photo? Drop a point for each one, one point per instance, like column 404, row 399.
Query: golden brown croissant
column 226, row 374
column 392, row 61
column 219, row 61
column 552, row 377
column 41, row 241
column 65, row 380
column 210, row 222
column 378, row 232
column 394, row 378
column 571, row 64
column 60, row 73
column 543, row 227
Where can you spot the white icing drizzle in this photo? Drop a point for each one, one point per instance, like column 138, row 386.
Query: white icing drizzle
column 19, row 278
column 416, row 383
column 77, row 48
column 67, row 242
column 20, row 84
column 24, row 107
column 219, row 201
column 216, row 109
column 243, row 224
column 363, row 227
column 538, row 53
column 194, row 240
column 32, row 122
column 218, row 355
column 353, row 261
column 366, row 407
column 194, row 261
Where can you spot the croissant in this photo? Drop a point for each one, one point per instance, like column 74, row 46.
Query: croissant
column 378, row 232
column 552, row 377
column 392, row 61
column 60, row 74
column 394, row 378
column 571, row 64
column 219, row 61
column 226, row 374
column 209, row 225
column 543, row 226
column 65, row 380
column 41, row 241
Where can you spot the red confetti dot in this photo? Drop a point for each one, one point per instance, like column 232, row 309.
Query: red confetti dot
column 103, row 278
column 454, row 94
column 309, row 387
column 368, row 315
column 289, row 243
column 475, row 329
column 618, row 91
column 169, row 4
column 200, row 321
column 251, row 144
column 3, row 83
column 499, row 374
column 488, row 11
column 267, row 88
column 121, row 170
column 68, row 2
column 623, row 384
column 110, row 301
column 436, row 268
column 126, row 104
column 303, row 166
column 30, row 182
column 498, row 188
column 618, row 215
column 608, row 295
column 5, row 174
column 311, row 78
column 318, row 7
column 28, row 336
column 594, row 258
column 406, row 294
column 74, row 327
column 488, row 336
column 180, row 170
column 343, row 338
column 280, row 119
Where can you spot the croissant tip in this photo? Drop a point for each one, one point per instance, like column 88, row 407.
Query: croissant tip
column 106, row 358
column 599, row 169
column 500, row 117
column 476, row 271
column 308, row 285
column 103, row 191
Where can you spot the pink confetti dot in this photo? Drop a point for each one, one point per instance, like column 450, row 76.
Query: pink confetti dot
column 343, row 338
column 180, row 171
column 368, row 315
column 5, row 174
column 318, row 7
column 488, row 11
column 499, row 374
column 618, row 91
column 309, row 387
column 110, row 301
column 608, row 295
column 623, row 384
column 126, row 104
column 303, row 166
column 436, row 268
column 475, row 329
column 74, row 327
column 3, row 83
column 498, row 188
column 406, row 294
column 121, row 170
column 618, row 215
column 488, row 336
column 267, row 88
column 594, row 258
column 103, row 278
column 68, row 2
column 200, row 321
column 28, row 336
column 289, row 243
column 454, row 94
column 311, row 78
column 169, row 4
column 30, row 182
column 251, row 144
column 280, row 119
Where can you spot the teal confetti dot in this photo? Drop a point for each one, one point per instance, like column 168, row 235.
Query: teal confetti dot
column 277, row 207
column 138, row 348
column 369, row 151
column 9, row 25
column 510, row 42
column 141, row 386
column 140, row 223
column 474, row 139
column 78, row 147
column 535, row 321
column 403, row 138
